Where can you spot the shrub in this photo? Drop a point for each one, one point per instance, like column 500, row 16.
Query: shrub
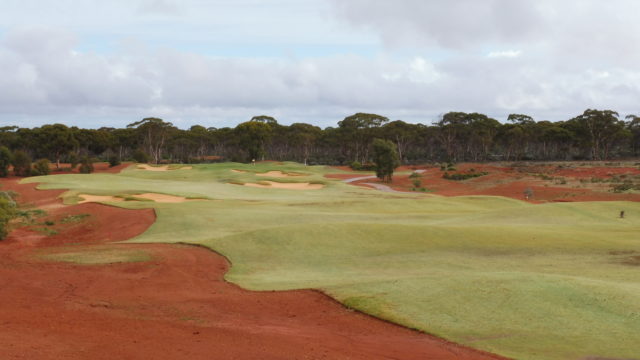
column 415, row 175
column 625, row 186
column 417, row 183
column 5, row 161
column 140, row 156
column 114, row 161
column 21, row 163
column 356, row 165
column 41, row 167
column 86, row 165
column 528, row 193
column 463, row 176
column 74, row 160
column 7, row 212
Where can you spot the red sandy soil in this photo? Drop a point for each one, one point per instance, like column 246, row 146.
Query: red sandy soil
column 512, row 182
column 175, row 306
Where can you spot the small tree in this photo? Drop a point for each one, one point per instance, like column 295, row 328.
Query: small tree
column 7, row 211
column 40, row 167
column 528, row 193
column 21, row 163
column 140, row 156
column 5, row 161
column 86, row 165
column 114, row 161
column 386, row 159
column 74, row 160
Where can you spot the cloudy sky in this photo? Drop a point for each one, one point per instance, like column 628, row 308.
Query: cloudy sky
column 213, row 62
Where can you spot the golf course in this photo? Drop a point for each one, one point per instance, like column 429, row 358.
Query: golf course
column 523, row 280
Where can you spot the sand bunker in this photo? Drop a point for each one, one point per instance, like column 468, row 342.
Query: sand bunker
column 160, row 168
column 278, row 174
column 163, row 198
column 98, row 198
column 238, row 171
column 160, row 198
column 290, row 186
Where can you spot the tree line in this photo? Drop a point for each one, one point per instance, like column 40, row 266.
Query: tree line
column 455, row 137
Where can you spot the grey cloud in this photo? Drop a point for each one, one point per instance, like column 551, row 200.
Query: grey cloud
column 48, row 77
column 159, row 7
column 445, row 23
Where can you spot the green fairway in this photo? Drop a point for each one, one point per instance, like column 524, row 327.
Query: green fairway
column 552, row 281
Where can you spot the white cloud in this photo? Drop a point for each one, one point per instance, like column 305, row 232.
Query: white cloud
column 159, row 7
column 505, row 54
column 424, row 57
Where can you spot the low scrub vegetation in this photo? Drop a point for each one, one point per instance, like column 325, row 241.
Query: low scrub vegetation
column 463, row 176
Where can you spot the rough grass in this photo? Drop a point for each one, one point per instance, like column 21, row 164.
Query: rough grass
column 552, row 281
column 98, row 256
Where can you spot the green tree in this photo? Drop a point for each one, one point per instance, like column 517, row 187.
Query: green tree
column 21, row 163
column 86, row 165
column 386, row 159
column 402, row 134
column 41, row 167
column 5, row 161
column 253, row 136
column 602, row 129
column 633, row 126
column 154, row 133
column 7, row 212
column 358, row 130
column 304, row 136
column 56, row 140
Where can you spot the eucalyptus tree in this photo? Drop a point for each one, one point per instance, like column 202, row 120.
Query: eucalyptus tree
column 359, row 130
column 253, row 135
column 55, row 141
column 402, row 134
column 303, row 137
column 386, row 159
column 153, row 132
column 603, row 129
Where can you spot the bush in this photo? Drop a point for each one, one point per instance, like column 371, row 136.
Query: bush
column 114, row 161
column 21, row 163
column 86, row 165
column 464, row 176
column 356, row 165
column 140, row 156
column 5, row 161
column 7, row 212
column 415, row 175
column 41, row 167
column 417, row 183
column 625, row 186
column 74, row 160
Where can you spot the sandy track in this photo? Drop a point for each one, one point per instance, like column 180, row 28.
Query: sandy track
column 176, row 306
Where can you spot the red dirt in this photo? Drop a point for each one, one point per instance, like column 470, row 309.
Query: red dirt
column 512, row 182
column 175, row 306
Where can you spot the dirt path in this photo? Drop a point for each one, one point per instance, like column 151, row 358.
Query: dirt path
column 175, row 306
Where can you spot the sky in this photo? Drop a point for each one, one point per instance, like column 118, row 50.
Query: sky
column 217, row 63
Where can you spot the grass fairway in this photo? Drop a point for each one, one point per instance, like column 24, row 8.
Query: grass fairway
column 552, row 281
